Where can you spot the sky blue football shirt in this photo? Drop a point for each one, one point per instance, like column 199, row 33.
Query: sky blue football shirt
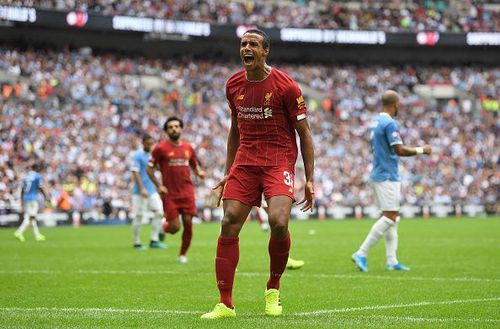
column 140, row 160
column 31, row 184
column 384, row 134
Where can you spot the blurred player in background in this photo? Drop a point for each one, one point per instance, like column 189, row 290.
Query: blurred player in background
column 387, row 146
column 174, row 158
column 267, row 108
column 145, row 198
column 32, row 184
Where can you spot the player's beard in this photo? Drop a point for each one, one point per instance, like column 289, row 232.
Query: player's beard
column 174, row 136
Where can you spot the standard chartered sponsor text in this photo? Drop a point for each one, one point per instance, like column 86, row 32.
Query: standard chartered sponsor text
column 252, row 113
column 178, row 162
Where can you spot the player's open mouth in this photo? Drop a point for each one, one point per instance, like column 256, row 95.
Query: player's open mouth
column 248, row 59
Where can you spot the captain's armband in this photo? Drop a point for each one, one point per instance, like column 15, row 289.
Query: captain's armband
column 301, row 116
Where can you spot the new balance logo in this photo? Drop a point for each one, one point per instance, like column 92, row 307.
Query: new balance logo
column 268, row 112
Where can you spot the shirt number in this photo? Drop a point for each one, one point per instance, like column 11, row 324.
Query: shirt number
column 288, row 178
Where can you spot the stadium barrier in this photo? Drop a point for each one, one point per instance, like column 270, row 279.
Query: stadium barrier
column 122, row 216
column 183, row 30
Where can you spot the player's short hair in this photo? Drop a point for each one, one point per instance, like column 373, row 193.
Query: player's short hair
column 35, row 166
column 265, row 42
column 146, row 136
column 173, row 118
column 389, row 97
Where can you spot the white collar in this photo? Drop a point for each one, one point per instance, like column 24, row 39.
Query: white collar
column 386, row 114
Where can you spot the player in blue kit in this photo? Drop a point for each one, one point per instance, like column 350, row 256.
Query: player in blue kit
column 387, row 147
column 145, row 198
column 32, row 184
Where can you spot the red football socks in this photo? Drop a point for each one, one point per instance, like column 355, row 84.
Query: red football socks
column 187, row 235
column 279, row 251
column 228, row 254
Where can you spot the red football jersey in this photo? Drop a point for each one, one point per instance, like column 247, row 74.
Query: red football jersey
column 174, row 162
column 266, row 111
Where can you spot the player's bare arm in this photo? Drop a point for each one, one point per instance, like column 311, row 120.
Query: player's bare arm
column 408, row 151
column 151, row 173
column 43, row 190
column 22, row 199
column 46, row 197
column 233, row 141
column 138, row 181
column 198, row 171
column 307, row 150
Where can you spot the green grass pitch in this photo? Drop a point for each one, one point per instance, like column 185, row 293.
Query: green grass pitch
column 91, row 277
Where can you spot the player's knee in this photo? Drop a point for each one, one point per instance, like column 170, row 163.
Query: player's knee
column 230, row 218
column 136, row 219
column 231, row 225
column 279, row 229
column 174, row 227
column 279, row 215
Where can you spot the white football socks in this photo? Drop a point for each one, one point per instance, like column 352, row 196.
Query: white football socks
column 156, row 225
column 136, row 229
column 35, row 228
column 24, row 225
column 391, row 243
column 377, row 231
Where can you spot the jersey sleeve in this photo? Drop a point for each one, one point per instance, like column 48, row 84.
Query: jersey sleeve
column 230, row 103
column 134, row 163
column 392, row 133
column 294, row 102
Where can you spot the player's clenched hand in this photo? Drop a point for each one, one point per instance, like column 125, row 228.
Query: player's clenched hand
column 427, row 149
column 201, row 174
column 219, row 189
column 162, row 190
column 308, row 202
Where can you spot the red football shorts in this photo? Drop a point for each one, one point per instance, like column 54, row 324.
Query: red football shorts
column 173, row 207
column 247, row 183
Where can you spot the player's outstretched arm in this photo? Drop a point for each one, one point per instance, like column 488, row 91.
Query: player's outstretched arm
column 307, row 150
column 408, row 151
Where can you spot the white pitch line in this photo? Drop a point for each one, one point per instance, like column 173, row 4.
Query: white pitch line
column 383, row 307
column 415, row 319
column 91, row 310
column 121, row 272
column 340, row 310
column 29, row 272
column 403, row 277
column 305, row 275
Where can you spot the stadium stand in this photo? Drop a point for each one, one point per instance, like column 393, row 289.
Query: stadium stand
column 390, row 16
column 81, row 114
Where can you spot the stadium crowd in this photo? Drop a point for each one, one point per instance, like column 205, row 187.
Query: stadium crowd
column 391, row 16
column 81, row 115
